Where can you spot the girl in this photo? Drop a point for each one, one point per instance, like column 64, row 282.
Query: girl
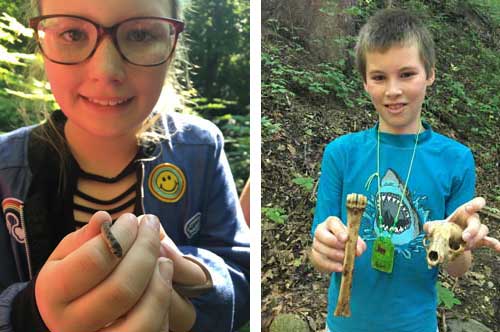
column 97, row 160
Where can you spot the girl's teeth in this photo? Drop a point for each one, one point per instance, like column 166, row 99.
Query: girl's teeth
column 107, row 102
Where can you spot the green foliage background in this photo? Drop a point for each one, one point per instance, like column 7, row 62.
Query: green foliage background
column 217, row 39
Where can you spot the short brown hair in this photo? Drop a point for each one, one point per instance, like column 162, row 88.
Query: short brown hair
column 390, row 27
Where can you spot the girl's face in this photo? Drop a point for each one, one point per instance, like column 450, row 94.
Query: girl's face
column 105, row 96
column 396, row 82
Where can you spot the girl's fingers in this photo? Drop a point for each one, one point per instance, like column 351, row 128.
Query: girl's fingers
column 185, row 271
column 120, row 291
column 151, row 313
column 76, row 239
column 85, row 267
column 182, row 313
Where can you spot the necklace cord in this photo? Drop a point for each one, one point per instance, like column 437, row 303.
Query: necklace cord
column 380, row 218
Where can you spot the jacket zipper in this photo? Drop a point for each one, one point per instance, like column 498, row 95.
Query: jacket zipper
column 142, row 187
column 26, row 246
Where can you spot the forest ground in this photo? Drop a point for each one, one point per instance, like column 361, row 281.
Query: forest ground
column 296, row 128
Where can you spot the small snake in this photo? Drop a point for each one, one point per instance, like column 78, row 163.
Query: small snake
column 113, row 244
column 187, row 291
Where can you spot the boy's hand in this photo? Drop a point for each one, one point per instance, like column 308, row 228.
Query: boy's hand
column 475, row 233
column 327, row 254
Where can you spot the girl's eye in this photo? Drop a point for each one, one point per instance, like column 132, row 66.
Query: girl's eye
column 140, row 36
column 73, row 35
column 378, row 77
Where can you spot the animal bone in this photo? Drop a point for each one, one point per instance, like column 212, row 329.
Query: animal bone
column 356, row 204
column 444, row 243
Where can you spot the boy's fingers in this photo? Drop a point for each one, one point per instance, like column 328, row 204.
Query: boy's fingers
column 490, row 242
column 360, row 246
column 334, row 225
column 324, row 264
column 463, row 212
column 472, row 229
column 331, row 253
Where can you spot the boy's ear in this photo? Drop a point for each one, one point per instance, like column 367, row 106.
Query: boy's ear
column 365, row 86
column 432, row 76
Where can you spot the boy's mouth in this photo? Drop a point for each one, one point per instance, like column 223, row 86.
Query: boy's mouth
column 396, row 107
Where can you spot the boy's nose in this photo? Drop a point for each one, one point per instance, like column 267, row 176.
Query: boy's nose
column 393, row 89
column 107, row 64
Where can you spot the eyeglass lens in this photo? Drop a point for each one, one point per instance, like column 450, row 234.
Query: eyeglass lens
column 142, row 41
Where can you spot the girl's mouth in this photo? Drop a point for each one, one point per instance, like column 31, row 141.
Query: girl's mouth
column 107, row 102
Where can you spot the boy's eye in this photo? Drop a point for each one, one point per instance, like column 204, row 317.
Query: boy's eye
column 407, row 74
column 378, row 77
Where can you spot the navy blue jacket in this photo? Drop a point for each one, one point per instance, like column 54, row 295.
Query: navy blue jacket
column 202, row 216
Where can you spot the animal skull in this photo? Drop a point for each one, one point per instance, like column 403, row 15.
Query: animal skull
column 444, row 243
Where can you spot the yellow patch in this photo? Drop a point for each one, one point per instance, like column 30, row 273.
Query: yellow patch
column 167, row 183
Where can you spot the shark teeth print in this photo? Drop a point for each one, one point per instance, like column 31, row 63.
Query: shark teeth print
column 390, row 205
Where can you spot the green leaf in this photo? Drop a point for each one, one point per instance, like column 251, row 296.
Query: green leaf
column 446, row 297
column 306, row 183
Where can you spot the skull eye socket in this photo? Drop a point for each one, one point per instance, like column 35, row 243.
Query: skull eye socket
column 453, row 244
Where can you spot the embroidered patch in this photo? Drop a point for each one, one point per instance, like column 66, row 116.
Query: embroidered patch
column 192, row 226
column 13, row 213
column 167, row 183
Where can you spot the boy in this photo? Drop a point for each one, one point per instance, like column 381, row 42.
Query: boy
column 410, row 175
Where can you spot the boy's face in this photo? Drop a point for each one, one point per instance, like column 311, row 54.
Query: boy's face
column 396, row 82
column 105, row 96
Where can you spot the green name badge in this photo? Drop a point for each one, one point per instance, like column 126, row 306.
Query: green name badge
column 383, row 254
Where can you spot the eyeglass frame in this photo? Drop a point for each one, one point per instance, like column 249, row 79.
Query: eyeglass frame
column 103, row 31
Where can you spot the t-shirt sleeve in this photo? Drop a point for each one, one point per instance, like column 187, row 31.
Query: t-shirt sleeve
column 329, row 195
column 463, row 182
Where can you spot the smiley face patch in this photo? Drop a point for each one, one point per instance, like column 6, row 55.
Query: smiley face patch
column 167, row 183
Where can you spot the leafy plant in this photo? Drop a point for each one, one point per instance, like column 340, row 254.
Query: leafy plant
column 268, row 126
column 307, row 183
column 274, row 214
column 446, row 297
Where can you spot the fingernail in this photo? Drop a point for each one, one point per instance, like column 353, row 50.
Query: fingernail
column 152, row 221
column 343, row 236
column 166, row 270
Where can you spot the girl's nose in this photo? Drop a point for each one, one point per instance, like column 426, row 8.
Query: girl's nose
column 107, row 64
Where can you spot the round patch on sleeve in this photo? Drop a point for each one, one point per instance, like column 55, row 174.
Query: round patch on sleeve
column 167, row 183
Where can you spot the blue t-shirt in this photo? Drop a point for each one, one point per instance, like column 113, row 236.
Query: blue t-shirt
column 442, row 178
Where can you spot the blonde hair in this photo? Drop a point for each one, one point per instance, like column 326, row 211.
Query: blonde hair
column 153, row 130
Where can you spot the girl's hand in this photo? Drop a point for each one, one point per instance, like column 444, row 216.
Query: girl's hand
column 182, row 312
column 185, row 271
column 84, row 287
column 327, row 254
